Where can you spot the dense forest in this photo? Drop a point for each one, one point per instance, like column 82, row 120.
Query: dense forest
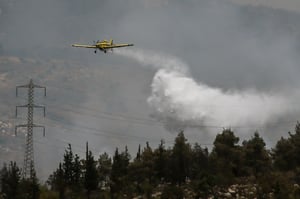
column 231, row 169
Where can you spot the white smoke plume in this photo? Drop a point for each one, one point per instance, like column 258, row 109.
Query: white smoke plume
column 158, row 61
column 178, row 99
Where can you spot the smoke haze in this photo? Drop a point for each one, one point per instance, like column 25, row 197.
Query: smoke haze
column 176, row 96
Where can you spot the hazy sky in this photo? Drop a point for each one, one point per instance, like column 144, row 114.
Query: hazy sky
column 238, row 63
column 293, row 5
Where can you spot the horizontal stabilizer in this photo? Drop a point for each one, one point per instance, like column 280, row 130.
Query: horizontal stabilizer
column 84, row 46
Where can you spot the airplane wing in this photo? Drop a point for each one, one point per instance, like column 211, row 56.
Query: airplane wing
column 84, row 46
column 117, row 46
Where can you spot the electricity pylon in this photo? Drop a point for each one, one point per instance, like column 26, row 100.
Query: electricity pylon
column 28, row 167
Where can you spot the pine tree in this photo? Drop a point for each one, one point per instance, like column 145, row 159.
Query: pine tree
column 148, row 163
column 200, row 163
column 104, row 169
column 68, row 177
column 135, row 172
column 125, row 158
column 56, row 181
column 257, row 158
column 201, row 177
column 138, row 155
column 61, row 182
column 119, row 172
column 77, row 175
column 30, row 187
column 160, row 161
column 180, row 159
column 10, row 180
column 286, row 151
column 68, row 166
column 91, row 174
column 116, row 174
column 226, row 157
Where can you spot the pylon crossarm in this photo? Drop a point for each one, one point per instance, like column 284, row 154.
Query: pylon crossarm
column 40, row 106
column 40, row 126
column 43, row 87
column 23, row 86
column 31, row 85
column 20, row 126
column 20, row 106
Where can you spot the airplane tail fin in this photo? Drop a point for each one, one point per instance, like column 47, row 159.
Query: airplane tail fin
column 111, row 41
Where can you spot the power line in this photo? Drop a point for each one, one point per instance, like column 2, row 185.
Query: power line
column 100, row 132
column 56, row 146
column 111, row 116
column 149, row 122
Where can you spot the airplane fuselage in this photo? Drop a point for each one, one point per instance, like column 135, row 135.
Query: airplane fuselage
column 103, row 45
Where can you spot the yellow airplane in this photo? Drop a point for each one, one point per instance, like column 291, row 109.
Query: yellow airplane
column 103, row 45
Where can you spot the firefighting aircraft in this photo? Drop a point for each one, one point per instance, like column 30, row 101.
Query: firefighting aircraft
column 103, row 45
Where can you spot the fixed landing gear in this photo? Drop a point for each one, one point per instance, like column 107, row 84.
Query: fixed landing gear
column 95, row 51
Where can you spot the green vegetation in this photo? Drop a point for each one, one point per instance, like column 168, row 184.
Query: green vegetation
column 180, row 171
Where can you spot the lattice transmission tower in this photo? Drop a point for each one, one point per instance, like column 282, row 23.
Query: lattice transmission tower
column 28, row 167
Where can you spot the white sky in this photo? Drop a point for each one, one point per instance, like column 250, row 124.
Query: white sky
column 285, row 4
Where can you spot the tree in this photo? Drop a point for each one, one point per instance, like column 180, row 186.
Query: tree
column 68, row 166
column 104, row 169
column 172, row 191
column 91, row 174
column 147, row 173
column 199, row 163
column 56, row 181
column 136, row 172
column 77, row 174
column 68, row 177
column 13, row 186
column 125, row 158
column 201, row 178
column 10, row 180
column 30, row 187
column 180, row 159
column 226, row 157
column 72, row 170
column 286, row 152
column 257, row 159
column 283, row 155
column 118, row 172
column 138, row 155
column 60, row 182
column 160, row 161
column 276, row 183
column 148, row 162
